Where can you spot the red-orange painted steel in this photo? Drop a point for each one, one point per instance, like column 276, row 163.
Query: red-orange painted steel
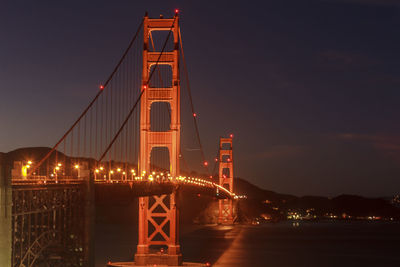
column 158, row 215
column 226, row 180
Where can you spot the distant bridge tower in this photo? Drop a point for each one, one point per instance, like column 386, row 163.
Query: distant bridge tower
column 158, row 215
column 226, row 179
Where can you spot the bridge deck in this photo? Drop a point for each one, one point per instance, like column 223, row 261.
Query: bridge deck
column 130, row 188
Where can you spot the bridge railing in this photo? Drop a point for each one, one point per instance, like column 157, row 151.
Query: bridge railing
column 159, row 177
column 153, row 177
column 35, row 180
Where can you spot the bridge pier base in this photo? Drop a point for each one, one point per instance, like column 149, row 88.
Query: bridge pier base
column 5, row 215
column 135, row 264
column 158, row 259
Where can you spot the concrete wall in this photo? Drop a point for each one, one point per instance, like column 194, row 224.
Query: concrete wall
column 5, row 215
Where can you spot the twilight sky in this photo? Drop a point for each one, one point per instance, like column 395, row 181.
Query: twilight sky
column 310, row 89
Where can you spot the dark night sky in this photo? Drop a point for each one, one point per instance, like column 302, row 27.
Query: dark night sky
column 310, row 89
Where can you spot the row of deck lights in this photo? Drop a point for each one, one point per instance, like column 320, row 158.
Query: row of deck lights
column 151, row 177
column 116, row 171
column 156, row 176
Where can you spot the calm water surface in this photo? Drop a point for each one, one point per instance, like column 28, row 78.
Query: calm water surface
column 273, row 245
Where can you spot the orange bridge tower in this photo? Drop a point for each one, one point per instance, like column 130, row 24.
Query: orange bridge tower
column 226, row 179
column 158, row 215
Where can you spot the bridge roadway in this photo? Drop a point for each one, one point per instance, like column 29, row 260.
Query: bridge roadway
column 134, row 188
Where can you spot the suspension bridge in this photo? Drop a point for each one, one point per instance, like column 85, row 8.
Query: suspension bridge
column 128, row 139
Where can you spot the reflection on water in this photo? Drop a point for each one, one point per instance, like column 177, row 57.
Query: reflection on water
column 274, row 245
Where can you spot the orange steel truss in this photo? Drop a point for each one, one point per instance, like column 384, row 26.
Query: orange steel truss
column 158, row 215
column 225, row 180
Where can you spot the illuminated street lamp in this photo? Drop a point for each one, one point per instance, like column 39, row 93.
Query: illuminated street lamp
column 78, row 169
column 56, row 169
column 24, row 169
column 96, row 171
column 119, row 173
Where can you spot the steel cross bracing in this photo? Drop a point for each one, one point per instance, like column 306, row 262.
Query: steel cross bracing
column 47, row 225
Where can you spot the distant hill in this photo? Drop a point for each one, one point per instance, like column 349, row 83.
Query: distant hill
column 25, row 154
column 259, row 201
column 243, row 187
column 350, row 205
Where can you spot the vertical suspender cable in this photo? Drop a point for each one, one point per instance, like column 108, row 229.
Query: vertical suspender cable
column 191, row 103
column 140, row 95
column 91, row 103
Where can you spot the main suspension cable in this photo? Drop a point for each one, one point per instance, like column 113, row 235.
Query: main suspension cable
column 141, row 93
column 102, row 87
